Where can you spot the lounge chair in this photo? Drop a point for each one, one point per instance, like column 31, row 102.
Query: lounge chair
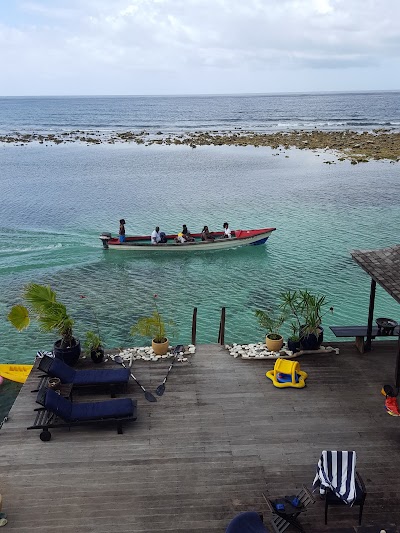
column 249, row 522
column 60, row 412
column 112, row 378
column 339, row 482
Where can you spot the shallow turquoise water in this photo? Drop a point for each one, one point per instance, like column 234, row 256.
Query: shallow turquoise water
column 57, row 199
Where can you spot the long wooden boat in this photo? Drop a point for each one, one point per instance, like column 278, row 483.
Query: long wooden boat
column 18, row 373
column 143, row 243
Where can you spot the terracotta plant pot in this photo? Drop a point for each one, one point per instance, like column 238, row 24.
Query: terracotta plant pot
column 160, row 348
column 274, row 345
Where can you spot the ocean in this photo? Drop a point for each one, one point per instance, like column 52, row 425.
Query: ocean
column 56, row 199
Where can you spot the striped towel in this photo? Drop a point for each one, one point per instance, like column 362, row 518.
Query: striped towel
column 42, row 353
column 337, row 471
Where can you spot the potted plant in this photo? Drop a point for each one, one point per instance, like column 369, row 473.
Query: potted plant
column 93, row 342
column 51, row 316
column 93, row 345
column 293, row 341
column 272, row 324
column 307, row 308
column 153, row 327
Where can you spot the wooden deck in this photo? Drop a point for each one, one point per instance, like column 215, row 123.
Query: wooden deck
column 219, row 436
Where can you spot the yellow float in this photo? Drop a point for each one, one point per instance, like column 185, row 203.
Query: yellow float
column 18, row 373
column 287, row 374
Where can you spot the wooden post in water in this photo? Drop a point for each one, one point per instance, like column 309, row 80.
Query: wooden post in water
column 221, row 334
column 194, row 325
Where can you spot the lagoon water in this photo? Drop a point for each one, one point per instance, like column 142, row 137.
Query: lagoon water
column 55, row 200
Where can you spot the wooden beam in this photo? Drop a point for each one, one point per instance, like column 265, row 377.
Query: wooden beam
column 397, row 376
column 370, row 315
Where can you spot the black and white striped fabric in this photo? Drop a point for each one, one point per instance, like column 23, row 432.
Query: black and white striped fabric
column 337, row 471
column 42, row 353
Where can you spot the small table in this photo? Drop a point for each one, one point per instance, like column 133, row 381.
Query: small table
column 64, row 390
column 386, row 326
column 289, row 513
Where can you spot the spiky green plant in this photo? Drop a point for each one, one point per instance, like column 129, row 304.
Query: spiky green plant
column 153, row 326
column 271, row 322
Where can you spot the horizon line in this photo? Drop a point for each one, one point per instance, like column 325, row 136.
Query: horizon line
column 186, row 95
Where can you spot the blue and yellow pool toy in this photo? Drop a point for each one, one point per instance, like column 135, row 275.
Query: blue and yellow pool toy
column 287, row 374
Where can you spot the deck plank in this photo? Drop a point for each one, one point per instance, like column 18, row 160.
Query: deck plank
column 219, row 437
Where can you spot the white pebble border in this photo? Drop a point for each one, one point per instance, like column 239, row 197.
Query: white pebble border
column 260, row 351
column 146, row 353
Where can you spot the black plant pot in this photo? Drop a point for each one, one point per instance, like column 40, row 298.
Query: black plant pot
column 69, row 356
column 97, row 355
column 293, row 346
column 311, row 341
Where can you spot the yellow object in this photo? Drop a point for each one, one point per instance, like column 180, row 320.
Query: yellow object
column 18, row 373
column 296, row 377
column 180, row 234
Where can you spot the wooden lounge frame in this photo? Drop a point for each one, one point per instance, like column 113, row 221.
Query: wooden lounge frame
column 46, row 419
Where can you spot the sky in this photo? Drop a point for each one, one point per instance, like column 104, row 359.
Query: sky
column 147, row 47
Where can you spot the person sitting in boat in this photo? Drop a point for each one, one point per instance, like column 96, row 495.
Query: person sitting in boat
column 227, row 231
column 186, row 234
column 163, row 237
column 180, row 238
column 155, row 236
column 206, row 235
column 122, row 230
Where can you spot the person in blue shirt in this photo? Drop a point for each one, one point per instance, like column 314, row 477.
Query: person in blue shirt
column 122, row 230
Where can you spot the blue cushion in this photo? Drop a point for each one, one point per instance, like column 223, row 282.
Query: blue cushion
column 249, row 522
column 107, row 409
column 58, row 369
column 91, row 377
column 58, row 405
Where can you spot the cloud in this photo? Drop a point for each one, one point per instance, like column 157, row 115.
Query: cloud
column 79, row 40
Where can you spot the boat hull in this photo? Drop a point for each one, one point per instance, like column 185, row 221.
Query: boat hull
column 18, row 373
column 142, row 244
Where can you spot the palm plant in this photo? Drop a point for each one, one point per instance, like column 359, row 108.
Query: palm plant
column 42, row 305
column 271, row 322
column 153, row 326
column 306, row 309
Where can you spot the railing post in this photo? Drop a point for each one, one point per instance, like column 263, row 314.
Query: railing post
column 221, row 333
column 194, row 325
column 370, row 315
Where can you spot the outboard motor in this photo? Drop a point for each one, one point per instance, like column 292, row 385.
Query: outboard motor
column 105, row 237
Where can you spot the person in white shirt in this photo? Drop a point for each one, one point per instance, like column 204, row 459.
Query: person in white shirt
column 227, row 231
column 155, row 236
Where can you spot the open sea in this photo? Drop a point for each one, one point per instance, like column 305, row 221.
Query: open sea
column 56, row 199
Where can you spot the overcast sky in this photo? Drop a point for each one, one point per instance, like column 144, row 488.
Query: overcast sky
column 78, row 47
